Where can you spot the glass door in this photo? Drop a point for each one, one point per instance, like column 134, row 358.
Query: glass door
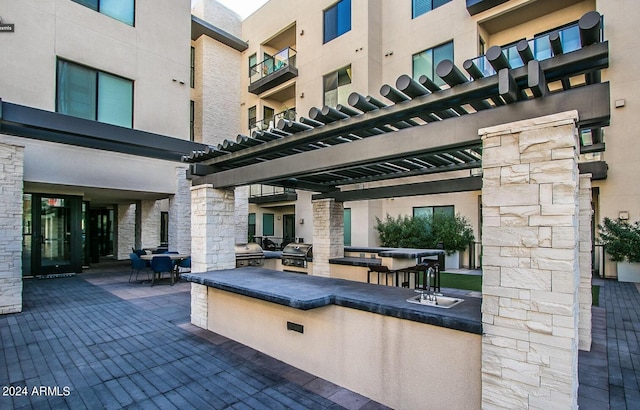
column 52, row 234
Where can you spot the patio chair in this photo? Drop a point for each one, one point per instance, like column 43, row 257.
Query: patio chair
column 160, row 264
column 136, row 265
column 183, row 264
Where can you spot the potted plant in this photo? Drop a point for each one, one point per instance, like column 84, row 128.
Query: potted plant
column 621, row 240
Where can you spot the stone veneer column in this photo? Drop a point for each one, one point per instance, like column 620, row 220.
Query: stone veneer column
column 328, row 234
column 126, row 230
column 11, row 187
column 180, row 214
column 530, row 264
column 150, row 223
column 212, row 241
column 585, row 247
column 242, row 213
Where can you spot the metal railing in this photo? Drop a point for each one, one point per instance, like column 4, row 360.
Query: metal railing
column 269, row 123
column 540, row 46
column 258, row 190
column 282, row 59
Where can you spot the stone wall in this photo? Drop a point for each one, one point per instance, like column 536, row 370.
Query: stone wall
column 11, row 189
column 530, row 264
column 150, row 223
column 180, row 214
column 126, row 214
column 328, row 234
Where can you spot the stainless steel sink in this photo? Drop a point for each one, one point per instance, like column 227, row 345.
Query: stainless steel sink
column 439, row 301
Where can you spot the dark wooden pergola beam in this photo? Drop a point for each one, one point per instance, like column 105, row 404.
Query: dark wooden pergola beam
column 591, row 102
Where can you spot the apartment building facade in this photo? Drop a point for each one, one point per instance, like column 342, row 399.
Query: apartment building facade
column 305, row 55
column 96, row 113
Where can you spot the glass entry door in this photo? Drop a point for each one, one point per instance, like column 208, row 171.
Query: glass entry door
column 54, row 234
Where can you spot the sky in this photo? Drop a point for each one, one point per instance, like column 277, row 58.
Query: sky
column 243, row 7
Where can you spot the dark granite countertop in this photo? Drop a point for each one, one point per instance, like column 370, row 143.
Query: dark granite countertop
column 353, row 261
column 308, row 292
column 272, row 254
column 408, row 253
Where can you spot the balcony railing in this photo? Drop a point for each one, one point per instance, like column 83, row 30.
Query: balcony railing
column 268, row 123
column 281, row 60
column 541, row 47
column 258, row 190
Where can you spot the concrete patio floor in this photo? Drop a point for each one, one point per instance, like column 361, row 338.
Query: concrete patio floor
column 95, row 340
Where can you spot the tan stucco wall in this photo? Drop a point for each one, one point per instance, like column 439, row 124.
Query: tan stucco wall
column 152, row 54
column 400, row 363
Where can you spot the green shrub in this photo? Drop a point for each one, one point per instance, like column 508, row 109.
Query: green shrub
column 621, row 239
column 453, row 232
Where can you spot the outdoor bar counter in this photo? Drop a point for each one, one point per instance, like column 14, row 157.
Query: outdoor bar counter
column 364, row 337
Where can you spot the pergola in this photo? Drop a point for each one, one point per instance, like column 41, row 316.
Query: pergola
column 425, row 129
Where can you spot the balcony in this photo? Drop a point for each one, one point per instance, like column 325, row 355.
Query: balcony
column 478, row 6
column 262, row 194
column 273, row 71
column 272, row 122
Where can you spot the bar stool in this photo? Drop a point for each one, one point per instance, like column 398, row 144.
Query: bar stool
column 380, row 270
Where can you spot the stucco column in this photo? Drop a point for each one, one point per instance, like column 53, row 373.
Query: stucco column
column 530, row 263
column 585, row 248
column 180, row 214
column 328, row 234
column 11, row 186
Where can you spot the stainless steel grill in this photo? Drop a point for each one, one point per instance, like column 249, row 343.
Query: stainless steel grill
column 297, row 254
column 249, row 254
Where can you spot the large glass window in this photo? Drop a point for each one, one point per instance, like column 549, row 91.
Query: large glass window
column 192, row 74
column 123, row 10
column 337, row 87
column 94, row 95
column 425, row 62
column 430, row 211
column 419, row 7
column 337, row 20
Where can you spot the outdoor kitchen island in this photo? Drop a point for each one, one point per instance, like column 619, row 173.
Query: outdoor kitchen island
column 364, row 337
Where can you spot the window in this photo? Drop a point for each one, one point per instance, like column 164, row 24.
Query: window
column 192, row 77
column 429, row 211
column 123, row 10
column 267, row 115
column 425, row 63
column 347, row 226
column 252, row 227
column 337, row 87
column 252, row 117
column 253, row 69
column 164, row 227
column 337, row 20
column 267, row 225
column 94, row 95
column 419, row 7
column 192, row 120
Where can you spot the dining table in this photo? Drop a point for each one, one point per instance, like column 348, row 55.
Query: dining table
column 177, row 257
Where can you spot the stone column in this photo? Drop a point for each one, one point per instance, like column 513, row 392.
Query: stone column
column 150, row 223
column 585, row 248
column 212, row 241
column 126, row 230
column 212, row 229
column 328, row 234
column 242, row 213
column 180, row 214
column 11, row 186
column 530, row 264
